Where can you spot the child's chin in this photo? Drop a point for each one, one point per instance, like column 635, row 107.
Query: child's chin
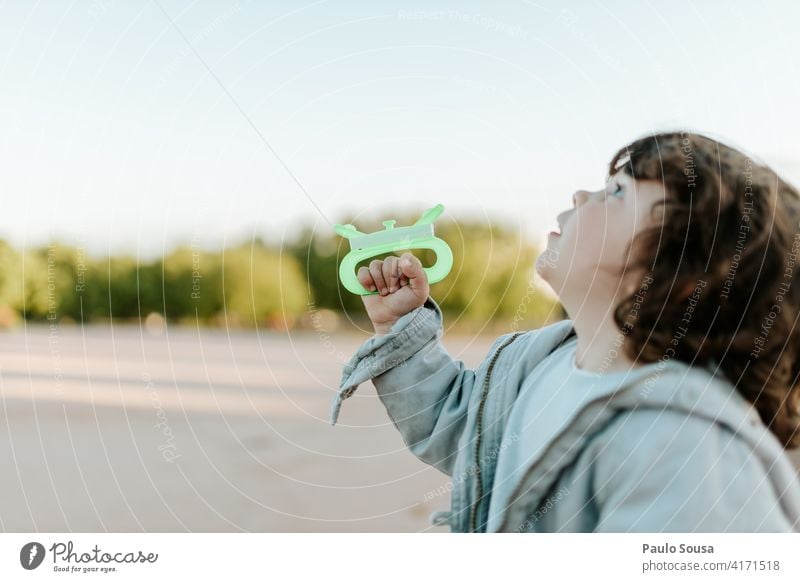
column 545, row 267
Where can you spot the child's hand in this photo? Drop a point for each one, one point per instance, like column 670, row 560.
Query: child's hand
column 402, row 285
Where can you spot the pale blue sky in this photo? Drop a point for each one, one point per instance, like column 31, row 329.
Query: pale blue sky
column 115, row 137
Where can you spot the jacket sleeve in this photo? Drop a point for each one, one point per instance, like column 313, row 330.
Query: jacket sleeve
column 665, row 471
column 426, row 392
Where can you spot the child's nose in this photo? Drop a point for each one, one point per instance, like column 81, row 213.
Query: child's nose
column 580, row 197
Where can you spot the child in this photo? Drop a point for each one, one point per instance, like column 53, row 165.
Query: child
column 667, row 399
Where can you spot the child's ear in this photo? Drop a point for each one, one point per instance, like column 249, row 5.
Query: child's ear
column 630, row 284
column 633, row 282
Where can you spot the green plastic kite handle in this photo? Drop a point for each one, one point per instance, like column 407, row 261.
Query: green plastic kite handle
column 417, row 236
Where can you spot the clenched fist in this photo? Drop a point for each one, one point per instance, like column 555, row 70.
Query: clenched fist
column 402, row 286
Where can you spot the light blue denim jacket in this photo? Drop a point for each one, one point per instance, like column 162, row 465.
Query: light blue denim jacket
column 675, row 449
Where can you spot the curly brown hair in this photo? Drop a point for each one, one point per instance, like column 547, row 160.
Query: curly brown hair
column 719, row 267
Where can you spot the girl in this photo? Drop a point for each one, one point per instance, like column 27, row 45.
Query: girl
column 668, row 398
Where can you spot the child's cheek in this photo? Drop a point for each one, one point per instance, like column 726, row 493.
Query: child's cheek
column 593, row 240
column 589, row 231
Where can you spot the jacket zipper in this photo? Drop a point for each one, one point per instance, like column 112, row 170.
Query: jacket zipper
column 473, row 514
column 479, row 429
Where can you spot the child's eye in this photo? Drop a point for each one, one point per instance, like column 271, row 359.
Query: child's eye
column 617, row 191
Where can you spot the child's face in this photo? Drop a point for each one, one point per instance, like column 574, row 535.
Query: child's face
column 591, row 250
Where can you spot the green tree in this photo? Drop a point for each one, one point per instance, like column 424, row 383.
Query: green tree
column 262, row 286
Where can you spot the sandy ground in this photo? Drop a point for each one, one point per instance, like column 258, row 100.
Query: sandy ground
column 125, row 431
column 122, row 430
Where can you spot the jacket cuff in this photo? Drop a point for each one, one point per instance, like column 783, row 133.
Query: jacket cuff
column 380, row 353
